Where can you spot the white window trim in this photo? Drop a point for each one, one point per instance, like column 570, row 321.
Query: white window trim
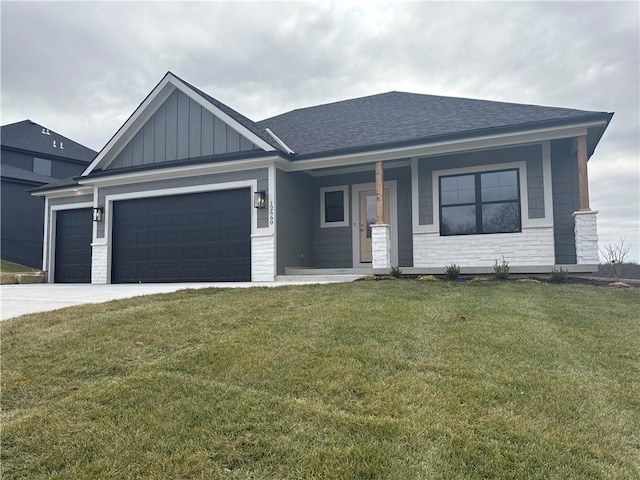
column 345, row 203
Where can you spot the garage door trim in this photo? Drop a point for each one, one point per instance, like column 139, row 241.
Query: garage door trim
column 252, row 184
column 52, row 221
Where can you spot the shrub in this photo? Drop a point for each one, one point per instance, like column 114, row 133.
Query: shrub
column 395, row 272
column 501, row 270
column 615, row 255
column 452, row 272
column 559, row 276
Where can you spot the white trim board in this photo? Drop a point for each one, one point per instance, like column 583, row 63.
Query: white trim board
column 252, row 184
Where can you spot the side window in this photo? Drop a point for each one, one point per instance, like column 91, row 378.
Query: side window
column 486, row 202
column 334, row 206
column 42, row 166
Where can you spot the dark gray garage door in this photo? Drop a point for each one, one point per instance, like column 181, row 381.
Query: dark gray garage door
column 201, row 237
column 74, row 231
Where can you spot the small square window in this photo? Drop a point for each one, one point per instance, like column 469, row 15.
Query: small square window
column 334, row 207
column 42, row 166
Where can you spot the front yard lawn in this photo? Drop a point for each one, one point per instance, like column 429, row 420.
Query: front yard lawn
column 391, row 380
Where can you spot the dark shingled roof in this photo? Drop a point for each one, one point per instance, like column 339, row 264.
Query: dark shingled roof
column 9, row 171
column 56, row 184
column 27, row 135
column 398, row 118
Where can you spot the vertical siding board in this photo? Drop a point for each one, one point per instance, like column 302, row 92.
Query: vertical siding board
column 195, row 128
column 220, row 136
column 159, row 132
column 147, row 146
column 136, row 158
column 233, row 140
column 171, row 127
column 245, row 144
column 127, row 155
column 207, row 133
column 183, row 126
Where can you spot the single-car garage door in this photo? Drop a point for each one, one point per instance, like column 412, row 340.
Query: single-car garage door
column 199, row 237
column 74, row 231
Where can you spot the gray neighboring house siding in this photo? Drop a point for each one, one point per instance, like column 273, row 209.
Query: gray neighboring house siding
column 22, row 214
column 180, row 129
column 260, row 174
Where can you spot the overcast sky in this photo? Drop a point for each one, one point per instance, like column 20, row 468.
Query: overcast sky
column 82, row 68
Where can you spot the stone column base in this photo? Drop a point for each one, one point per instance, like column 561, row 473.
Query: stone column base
column 381, row 246
column 586, row 232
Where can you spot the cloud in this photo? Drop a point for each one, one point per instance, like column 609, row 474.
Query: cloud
column 81, row 68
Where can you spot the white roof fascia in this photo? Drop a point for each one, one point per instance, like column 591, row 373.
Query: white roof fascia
column 154, row 100
column 280, row 142
column 179, row 172
column 441, row 148
column 64, row 192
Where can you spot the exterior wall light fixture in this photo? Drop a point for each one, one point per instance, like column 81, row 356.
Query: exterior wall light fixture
column 260, row 199
column 98, row 214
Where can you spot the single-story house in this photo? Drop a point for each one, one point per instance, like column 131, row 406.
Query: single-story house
column 31, row 156
column 188, row 189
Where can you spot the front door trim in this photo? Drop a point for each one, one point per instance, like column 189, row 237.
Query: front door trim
column 355, row 220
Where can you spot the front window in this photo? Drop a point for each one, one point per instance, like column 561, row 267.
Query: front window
column 487, row 202
column 334, row 207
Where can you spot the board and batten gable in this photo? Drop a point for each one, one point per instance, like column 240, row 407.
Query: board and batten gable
column 178, row 130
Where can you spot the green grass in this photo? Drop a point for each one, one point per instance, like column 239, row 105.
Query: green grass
column 355, row 381
column 9, row 267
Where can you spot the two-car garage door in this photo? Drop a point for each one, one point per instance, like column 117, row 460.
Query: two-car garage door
column 181, row 238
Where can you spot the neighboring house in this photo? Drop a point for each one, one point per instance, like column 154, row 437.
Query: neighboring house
column 32, row 156
column 190, row 190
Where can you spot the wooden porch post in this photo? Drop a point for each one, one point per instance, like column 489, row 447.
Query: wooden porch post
column 583, row 180
column 379, row 194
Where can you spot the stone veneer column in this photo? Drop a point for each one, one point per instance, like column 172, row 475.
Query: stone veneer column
column 381, row 246
column 99, row 263
column 586, row 238
column 263, row 258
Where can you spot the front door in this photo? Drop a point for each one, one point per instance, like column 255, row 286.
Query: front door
column 367, row 218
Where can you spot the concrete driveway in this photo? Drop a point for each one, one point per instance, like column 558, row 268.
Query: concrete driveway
column 16, row 300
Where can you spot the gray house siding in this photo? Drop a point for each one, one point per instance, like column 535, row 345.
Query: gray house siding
column 333, row 247
column 295, row 195
column 180, row 129
column 22, row 224
column 531, row 154
column 260, row 174
column 564, row 174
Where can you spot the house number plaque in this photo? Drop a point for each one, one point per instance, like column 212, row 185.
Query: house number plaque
column 270, row 213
